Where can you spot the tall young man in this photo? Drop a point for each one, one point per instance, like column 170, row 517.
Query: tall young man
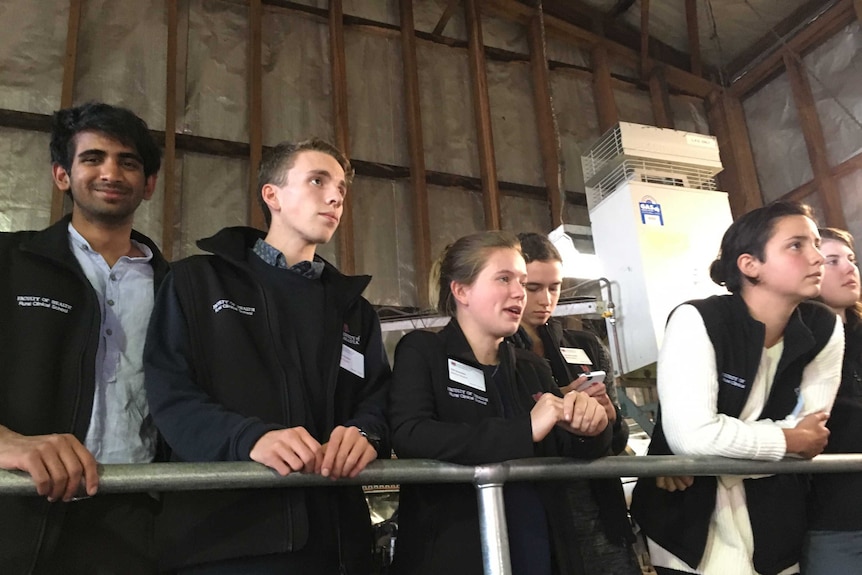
column 75, row 301
column 262, row 351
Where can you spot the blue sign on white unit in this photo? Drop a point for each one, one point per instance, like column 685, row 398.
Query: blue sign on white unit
column 650, row 212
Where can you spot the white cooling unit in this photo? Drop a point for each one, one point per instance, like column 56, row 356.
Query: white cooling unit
column 657, row 223
column 633, row 152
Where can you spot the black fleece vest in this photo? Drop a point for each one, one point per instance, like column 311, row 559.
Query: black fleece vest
column 679, row 521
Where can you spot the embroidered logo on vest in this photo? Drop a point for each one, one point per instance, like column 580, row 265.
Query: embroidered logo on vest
column 459, row 393
column 224, row 304
column 45, row 302
column 349, row 338
column 733, row 380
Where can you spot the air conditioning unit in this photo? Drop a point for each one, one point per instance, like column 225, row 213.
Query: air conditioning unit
column 633, row 152
column 657, row 221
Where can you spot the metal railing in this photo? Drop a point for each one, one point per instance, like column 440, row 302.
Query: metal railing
column 488, row 480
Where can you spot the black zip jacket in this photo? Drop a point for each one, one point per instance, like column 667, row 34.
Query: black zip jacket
column 218, row 378
column 554, row 337
column 434, row 417
column 49, row 334
column 836, row 498
column 679, row 521
column 607, row 492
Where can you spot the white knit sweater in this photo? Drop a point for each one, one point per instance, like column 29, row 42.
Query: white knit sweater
column 688, row 392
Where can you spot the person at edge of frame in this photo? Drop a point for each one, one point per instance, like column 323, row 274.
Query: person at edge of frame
column 75, row 299
column 833, row 543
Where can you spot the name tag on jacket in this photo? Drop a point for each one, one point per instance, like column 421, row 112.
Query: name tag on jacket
column 575, row 355
column 352, row 361
column 466, row 374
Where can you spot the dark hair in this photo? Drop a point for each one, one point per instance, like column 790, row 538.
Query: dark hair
column 277, row 161
column 118, row 123
column 537, row 247
column 854, row 312
column 462, row 261
column 748, row 235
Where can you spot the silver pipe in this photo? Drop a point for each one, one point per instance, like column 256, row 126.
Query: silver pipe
column 651, row 466
column 641, row 416
column 493, row 530
column 131, row 478
column 128, row 478
column 612, row 319
column 489, row 480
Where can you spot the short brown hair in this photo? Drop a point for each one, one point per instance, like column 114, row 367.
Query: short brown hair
column 278, row 160
column 854, row 312
column 462, row 261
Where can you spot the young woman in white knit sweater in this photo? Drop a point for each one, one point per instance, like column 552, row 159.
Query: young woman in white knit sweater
column 771, row 264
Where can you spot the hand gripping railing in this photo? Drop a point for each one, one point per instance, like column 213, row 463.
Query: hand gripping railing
column 488, row 479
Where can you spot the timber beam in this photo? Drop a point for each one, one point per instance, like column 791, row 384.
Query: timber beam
column 482, row 111
column 808, row 38
column 739, row 177
column 815, row 142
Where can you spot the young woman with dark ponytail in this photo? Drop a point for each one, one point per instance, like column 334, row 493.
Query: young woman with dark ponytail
column 748, row 375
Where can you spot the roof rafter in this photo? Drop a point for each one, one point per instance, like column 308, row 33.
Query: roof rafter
column 771, row 40
column 645, row 37
column 809, row 37
column 677, row 77
column 447, row 14
column 609, row 25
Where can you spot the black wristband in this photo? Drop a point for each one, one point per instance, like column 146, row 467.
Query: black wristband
column 372, row 438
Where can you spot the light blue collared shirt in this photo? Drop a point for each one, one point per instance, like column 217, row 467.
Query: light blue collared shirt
column 121, row 429
column 309, row 269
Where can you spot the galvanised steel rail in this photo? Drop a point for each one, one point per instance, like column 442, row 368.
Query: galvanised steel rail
column 488, row 480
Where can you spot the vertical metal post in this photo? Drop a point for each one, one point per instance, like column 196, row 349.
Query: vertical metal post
column 492, row 520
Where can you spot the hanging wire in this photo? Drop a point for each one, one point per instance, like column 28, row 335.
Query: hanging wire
column 713, row 35
column 806, row 68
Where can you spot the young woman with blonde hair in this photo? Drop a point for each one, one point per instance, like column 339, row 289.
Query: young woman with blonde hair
column 466, row 396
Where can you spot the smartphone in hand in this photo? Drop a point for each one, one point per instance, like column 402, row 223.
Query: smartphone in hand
column 592, row 377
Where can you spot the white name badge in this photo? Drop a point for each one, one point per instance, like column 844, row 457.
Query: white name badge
column 352, row 361
column 466, row 374
column 575, row 355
